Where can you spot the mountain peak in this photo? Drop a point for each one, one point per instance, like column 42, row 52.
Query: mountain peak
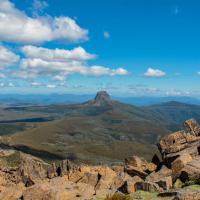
column 102, row 97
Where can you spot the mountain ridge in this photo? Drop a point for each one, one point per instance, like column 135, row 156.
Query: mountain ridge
column 54, row 98
column 91, row 130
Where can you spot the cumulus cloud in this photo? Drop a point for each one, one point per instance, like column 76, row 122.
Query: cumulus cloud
column 25, row 74
column 7, row 57
column 21, row 28
column 60, row 63
column 154, row 73
column 42, row 67
column 78, row 54
column 102, row 71
column 55, row 64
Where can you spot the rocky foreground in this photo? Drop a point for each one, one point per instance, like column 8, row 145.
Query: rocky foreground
column 25, row 177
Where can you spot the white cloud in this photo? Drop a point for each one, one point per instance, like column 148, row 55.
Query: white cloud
column 121, row 71
column 2, row 84
column 78, row 54
column 59, row 78
column 102, row 71
column 60, row 63
column 154, row 73
column 36, row 84
column 24, row 74
column 106, row 34
column 11, row 84
column 2, row 76
column 21, row 28
column 7, row 57
column 51, row 86
column 43, row 67
column 177, row 92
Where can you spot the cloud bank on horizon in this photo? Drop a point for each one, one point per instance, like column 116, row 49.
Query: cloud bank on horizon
column 30, row 56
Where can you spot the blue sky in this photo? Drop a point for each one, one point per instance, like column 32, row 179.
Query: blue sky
column 128, row 47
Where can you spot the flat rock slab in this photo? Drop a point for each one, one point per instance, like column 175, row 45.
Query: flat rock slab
column 187, row 195
column 181, row 194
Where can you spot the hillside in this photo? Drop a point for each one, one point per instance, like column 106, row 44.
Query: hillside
column 172, row 114
column 93, row 131
column 173, row 175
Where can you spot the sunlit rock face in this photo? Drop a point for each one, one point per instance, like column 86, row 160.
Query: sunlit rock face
column 102, row 98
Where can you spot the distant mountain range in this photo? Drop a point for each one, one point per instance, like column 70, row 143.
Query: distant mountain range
column 47, row 99
column 102, row 129
column 146, row 101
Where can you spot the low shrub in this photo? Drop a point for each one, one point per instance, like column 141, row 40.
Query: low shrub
column 118, row 196
column 192, row 182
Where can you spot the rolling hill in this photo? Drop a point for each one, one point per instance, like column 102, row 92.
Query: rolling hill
column 103, row 130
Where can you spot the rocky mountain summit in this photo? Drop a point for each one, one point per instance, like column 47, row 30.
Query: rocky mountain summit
column 102, row 98
column 25, row 177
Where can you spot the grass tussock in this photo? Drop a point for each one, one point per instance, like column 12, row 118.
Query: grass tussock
column 12, row 160
column 118, row 196
column 192, row 182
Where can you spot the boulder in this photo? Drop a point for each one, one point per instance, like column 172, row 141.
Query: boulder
column 136, row 166
column 156, row 176
column 129, row 184
column 165, row 183
column 191, row 170
column 147, row 186
column 163, row 178
column 135, row 171
column 178, row 164
column 136, row 161
column 32, row 167
column 51, row 171
column 151, row 167
column 192, row 150
column 27, row 181
column 90, row 179
column 107, row 179
column 75, row 176
column 59, row 188
column 12, row 192
column 186, row 194
column 192, row 127
column 67, row 167
column 172, row 143
column 118, row 168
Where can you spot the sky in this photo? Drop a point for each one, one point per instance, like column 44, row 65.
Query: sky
column 127, row 47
